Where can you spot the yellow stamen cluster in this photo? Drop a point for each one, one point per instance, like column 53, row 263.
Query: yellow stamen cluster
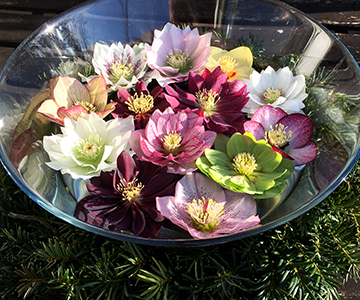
column 278, row 136
column 140, row 105
column 88, row 106
column 207, row 99
column 171, row 142
column 271, row 95
column 119, row 69
column 90, row 147
column 205, row 213
column 227, row 65
column 244, row 163
column 130, row 190
column 178, row 60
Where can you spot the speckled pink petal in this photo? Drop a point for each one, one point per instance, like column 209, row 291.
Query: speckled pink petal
column 73, row 112
column 301, row 129
column 255, row 128
column 303, row 155
column 268, row 115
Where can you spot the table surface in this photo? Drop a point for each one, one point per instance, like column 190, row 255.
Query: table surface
column 18, row 18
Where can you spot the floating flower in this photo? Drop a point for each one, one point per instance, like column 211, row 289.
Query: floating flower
column 175, row 52
column 279, row 89
column 141, row 104
column 88, row 146
column 287, row 134
column 220, row 100
column 205, row 210
column 70, row 98
column 174, row 140
column 125, row 199
column 244, row 165
column 121, row 66
column 236, row 63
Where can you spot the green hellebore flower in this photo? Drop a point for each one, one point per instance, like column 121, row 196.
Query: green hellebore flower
column 244, row 165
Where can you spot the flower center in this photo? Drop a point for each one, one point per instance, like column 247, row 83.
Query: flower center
column 278, row 136
column 130, row 190
column 179, row 60
column 227, row 65
column 205, row 213
column 207, row 100
column 89, row 148
column 172, row 142
column 271, row 95
column 88, row 106
column 118, row 70
column 140, row 105
column 244, row 163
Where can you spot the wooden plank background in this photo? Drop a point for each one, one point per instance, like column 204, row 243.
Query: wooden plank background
column 18, row 18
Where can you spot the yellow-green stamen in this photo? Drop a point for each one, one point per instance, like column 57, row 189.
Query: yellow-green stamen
column 130, row 190
column 88, row 106
column 89, row 148
column 172, row 142
column 244, row 163
column 207, row 100
column 271, row 95
column 205, row 213
column 140, row 105
column 119, row 69
column 278, row 136
column 179, row 60
column 227, row 65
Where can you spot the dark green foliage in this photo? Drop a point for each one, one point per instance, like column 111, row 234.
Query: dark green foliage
column 42, row 257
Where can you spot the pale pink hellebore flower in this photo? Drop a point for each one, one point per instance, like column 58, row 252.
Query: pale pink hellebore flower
column 205, row 210
column 175, row 52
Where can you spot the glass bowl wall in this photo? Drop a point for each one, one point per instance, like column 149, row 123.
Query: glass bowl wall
column 282, row 29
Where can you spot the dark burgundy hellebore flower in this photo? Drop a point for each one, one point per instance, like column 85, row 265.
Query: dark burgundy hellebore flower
column 221, row 101
column 124, row 199
column 141, row 105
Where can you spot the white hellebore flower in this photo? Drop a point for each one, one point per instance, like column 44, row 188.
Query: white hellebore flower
column 278, row 89
column 121, row 66
column 88, row 146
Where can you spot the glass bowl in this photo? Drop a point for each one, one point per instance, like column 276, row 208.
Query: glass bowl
column 282, row 30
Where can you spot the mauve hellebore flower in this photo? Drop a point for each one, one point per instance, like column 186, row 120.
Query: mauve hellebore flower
column 174, row 140
column 221, row 101
column 175, row 52
column 205, row 210
column 141, row 104
column 125, row 198
column 287, row 134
